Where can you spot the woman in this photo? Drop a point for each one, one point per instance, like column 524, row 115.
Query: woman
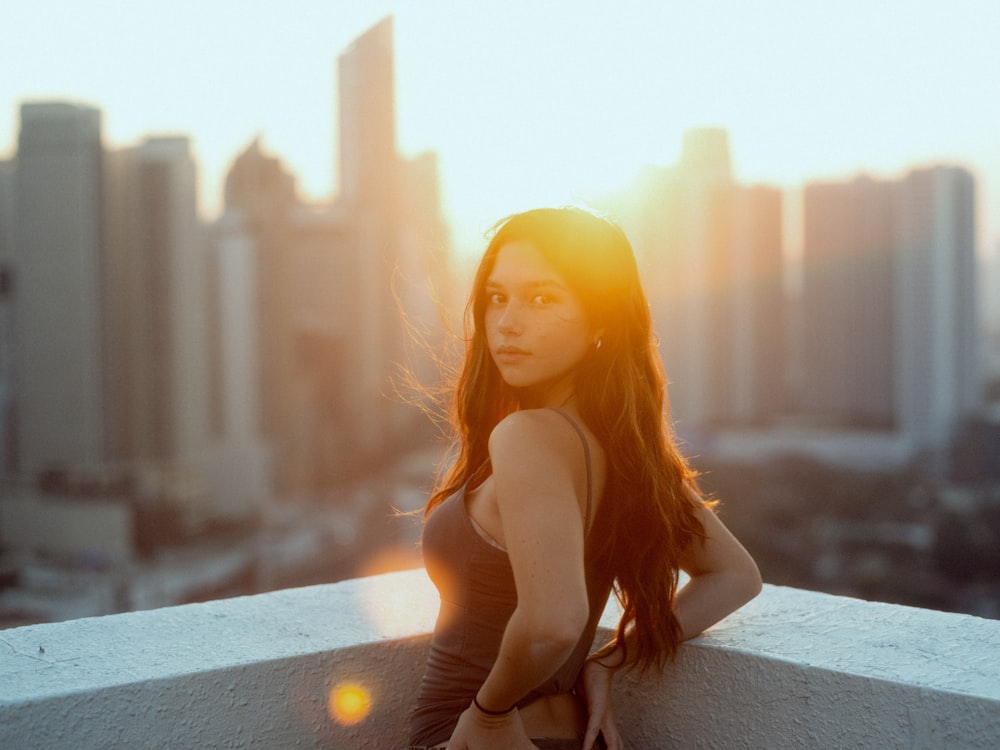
column 566, row 486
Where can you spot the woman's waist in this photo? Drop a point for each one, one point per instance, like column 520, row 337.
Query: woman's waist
column 542, row 743
column 560, row 718
column 557, row 715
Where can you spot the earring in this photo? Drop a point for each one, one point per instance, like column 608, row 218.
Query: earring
column 599, row 342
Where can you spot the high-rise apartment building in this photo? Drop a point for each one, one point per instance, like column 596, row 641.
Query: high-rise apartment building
column 848, row 303
column 6, row 210
column 241, row 470
column 59, row 271
column 711, row 254
column 758, row 308
column 333, row 282
column 300, row 267
column 889, row 304
column 260, row 204
column 370, row 196
column 369, row 163
column 936, row 344
column 695, row 316
column 158, row 299
column 109, row 306
column 6, row 318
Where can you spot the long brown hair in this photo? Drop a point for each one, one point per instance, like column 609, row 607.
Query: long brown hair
column 647, row 515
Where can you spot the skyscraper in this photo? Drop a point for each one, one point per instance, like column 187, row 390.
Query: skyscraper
column 368, row 174
column 711, row 253
column 157, row 301
column 936, row 346
column 241, row 470
column 260, row 202
column 6, row 319
column 6, row 210
column 59, row 267
column 696, row 329
column 370, row 198
column 109, row 300
column 329, row 281
column 758, row 308
column 889, row 304
column 848, row 297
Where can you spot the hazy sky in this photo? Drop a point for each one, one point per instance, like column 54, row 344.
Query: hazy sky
column 535, row 102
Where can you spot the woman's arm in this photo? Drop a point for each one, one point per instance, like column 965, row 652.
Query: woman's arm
column 535, row 456
column 537, row 460
column 723, row 577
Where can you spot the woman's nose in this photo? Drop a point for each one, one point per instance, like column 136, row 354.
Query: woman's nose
column 509, row 322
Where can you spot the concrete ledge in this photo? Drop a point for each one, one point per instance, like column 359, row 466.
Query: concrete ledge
column 798, row 669
column 793, row 669
column 246, row 672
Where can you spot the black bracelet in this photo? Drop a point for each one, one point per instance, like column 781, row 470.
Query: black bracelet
column 475, row 701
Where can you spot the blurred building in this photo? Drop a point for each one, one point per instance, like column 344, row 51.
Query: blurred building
column 61, row 345
column 889, row 331
column 172, row 380
column 335, row 284
column 938, row 344
column 371, row 198
column 157, row 252
column 847, row 303
column 6, row 318
column 255, row 242
column 881, row 335
column 758, row 310
column 108, row 297
column 710, row 251
column 6, row 210
column 368, row 175
column 156, row 310
column 241, row 464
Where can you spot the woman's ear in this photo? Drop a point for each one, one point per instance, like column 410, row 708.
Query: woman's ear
column 598, row 338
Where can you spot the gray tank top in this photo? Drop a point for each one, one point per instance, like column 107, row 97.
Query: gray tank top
column 478, row 596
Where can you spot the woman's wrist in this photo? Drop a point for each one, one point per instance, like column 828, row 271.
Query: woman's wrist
column 602, row 662
column 489, row 711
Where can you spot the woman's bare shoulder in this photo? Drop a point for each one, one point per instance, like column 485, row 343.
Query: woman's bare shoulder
column 531, row 426
column 533, row 438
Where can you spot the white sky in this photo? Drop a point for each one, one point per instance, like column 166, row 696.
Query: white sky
column 535, row 102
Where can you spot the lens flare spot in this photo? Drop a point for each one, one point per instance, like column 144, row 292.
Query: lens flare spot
column 397, row 606
column 350, row 703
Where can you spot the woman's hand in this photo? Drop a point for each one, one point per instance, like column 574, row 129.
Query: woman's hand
column 595, row 681
column 478, row 731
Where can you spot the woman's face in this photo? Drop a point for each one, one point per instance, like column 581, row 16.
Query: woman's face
column 536, row 326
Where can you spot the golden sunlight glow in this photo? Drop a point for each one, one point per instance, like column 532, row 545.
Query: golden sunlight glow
column 550, row 103
column 349, row 703
column 394, row 608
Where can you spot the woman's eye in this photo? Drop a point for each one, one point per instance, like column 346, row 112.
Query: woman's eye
column 541, row 299
column 497, row 299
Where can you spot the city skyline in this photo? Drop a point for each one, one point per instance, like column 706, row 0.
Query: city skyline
column 120, row 288
column 539, row 105
column 277, row 392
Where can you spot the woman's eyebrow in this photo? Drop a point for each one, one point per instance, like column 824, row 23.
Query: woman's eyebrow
column 492, row 283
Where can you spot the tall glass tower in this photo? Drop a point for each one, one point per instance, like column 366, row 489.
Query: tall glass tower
column 59, row 278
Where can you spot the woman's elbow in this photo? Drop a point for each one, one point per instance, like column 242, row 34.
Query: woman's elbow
column 561, row 630
column 750, row 581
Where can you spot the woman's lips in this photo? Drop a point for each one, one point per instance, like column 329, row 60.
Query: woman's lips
column 510, row 354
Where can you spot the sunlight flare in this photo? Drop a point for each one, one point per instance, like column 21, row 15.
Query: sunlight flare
column 395, row 607
column 349, row 703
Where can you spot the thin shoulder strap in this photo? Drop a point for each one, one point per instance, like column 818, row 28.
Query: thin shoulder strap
column 586, row 455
